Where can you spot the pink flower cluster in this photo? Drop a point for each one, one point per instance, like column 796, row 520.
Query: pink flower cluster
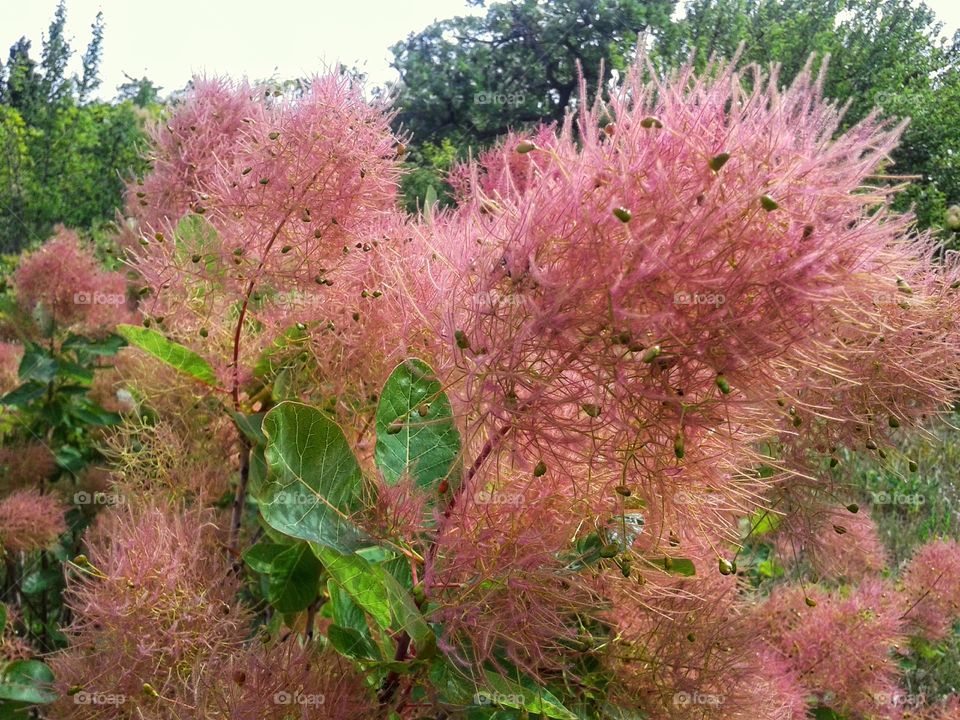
column 63, row 285
column 30, row 521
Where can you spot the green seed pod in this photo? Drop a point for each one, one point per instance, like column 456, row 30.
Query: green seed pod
column 356, row 317
column 768, row 203
column 834, row 462
column 591, row 409
column 810, row 601
column 870, row 444
column 893, row 422
column 74, row 689
column 839, row 529
column 726, row 567
column 807, row 231
column 143, row 241
column 691, row 637
column 423, row 409
column 463, row 342
column 540, row 470
column 913, row 466
column 317, row 233
column 678, row 449
column 246, row 171
column 651, row 354
column 525, row 146
column 651, row 122
column 196, row 258
column 853, row 508
column 622, row 214
column 150, row 690
column 238, row 251
column 903, row 287
column 395, row 427
column 146, row 322
column 797, row 421
column 723, row 384
column 718, row 161
column 623, row 490
column 609, row 550
column 319, row 280
column 264, row 181
column 274, row 135
column 286, row 248
column 625, row 567
column 204, row 332
column 955, row 285
column 668, row 564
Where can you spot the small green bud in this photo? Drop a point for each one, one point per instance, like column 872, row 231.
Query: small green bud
column 718, row 161
column 622, row 214
column 196, row 258
column 264, row 181
column 286, row 248
column 274, row 135
column 839, row 529
column 525, row 146
column 726, row 567
column 912, row 464
column 540, row 470
column 463, row 342
column 246, row 171
column 678, row 449
column 853, row 507
column 651, row 122
column 810, row 601
column 723, row 384
column 591, row 409
column 768, row 203
column 204, row 332
column 609, row 550
column 893, row 421
column 651, row 354
column 623, row 490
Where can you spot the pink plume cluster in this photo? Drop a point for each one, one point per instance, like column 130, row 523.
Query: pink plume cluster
column 254, row 203
column 63, row 283
column 26, row 464
column 30, row 521
column 931, row 589
column 10, row 354
column 841, row 649
column 154, row 603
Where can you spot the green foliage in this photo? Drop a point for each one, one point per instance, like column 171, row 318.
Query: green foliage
column 470, row 79
column 26, row 681
column 314, row 482
column 62, row 159
column 174, row 354
column 415, row 429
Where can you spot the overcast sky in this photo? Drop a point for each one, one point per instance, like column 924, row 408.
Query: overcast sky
column 170, row 40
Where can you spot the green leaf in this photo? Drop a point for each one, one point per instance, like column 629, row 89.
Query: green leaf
column 375, row 590
column 24, row 395
column 174, row 354
column 104, row 347
column 535, row 700
column 360, row 580
column 314, row 482
column 675, row 566
column 27, row 681
column 37, row 364
column 346, row 613
column 260, row 557
column 249, row 425
column 69, row 458
column 351, row 643
column 3, row 618
column 426, row 445
column 294, row 579
column 41, row 580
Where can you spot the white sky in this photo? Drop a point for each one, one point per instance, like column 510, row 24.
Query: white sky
column 170, row 40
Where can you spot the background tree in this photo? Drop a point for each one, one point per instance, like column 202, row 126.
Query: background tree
column 64, row 158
